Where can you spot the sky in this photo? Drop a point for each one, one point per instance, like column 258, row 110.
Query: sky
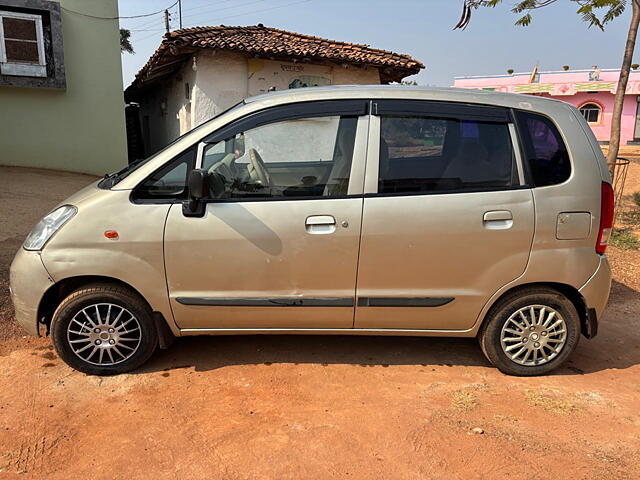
column 491, row 44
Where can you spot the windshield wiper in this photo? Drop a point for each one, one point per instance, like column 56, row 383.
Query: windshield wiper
column 110, row 179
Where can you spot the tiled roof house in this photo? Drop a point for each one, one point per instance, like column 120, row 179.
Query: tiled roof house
column 197, row 72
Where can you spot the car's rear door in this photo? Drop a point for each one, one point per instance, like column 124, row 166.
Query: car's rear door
column 447, row 219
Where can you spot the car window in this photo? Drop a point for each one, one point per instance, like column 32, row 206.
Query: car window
column 423, row 154
column 409, row 137
column 304, row 157
column 169, row 182
column 544, row 150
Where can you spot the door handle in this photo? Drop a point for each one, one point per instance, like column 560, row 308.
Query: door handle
column 497, row 220
column 320, row 220
column 494, row 215
column 320, row 224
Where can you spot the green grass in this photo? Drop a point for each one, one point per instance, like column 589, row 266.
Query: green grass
column 636, row 198
column 624, row 239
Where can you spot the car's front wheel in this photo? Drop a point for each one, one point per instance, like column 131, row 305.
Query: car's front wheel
column 103, row 330
column 530, row 332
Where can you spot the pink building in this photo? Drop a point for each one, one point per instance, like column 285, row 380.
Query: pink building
column 592, row 91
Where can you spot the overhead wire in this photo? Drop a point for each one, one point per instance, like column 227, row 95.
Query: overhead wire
column 262, row 10
column 160, row 22
column 141, row 39
column 118, row 18
column 208, row 5
column 224, row 8
column 147, row 23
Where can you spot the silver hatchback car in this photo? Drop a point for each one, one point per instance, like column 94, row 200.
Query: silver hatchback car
column 370, row 210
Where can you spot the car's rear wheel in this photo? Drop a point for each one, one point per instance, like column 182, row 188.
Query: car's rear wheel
column 530, row 332
column 103, row 330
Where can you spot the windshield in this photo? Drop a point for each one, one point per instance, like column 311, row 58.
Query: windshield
column 112, row 179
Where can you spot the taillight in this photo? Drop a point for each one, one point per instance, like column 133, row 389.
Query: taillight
column 606, row 217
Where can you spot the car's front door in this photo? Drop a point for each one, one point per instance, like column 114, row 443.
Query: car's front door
column 447, row 220
column 277, row 246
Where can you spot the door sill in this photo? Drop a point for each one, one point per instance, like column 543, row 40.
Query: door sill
column 327, row 331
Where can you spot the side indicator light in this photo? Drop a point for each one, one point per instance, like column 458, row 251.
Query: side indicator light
column 111, row 235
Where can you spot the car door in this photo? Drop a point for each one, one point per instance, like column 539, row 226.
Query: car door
column 447, row 219
column 278, row 243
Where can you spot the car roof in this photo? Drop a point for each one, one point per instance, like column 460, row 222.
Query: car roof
column 400, row 92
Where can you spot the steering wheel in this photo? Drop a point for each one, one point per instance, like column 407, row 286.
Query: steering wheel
column 258, row 171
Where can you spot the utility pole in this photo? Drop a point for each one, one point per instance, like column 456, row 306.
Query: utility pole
column 180, row 11
column 166, row 20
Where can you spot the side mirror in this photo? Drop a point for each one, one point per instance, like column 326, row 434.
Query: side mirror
column 198, row 187
column 197, row 184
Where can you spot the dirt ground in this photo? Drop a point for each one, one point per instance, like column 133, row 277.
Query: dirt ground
column 314, row 407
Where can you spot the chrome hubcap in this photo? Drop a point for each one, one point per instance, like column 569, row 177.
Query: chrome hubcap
column 533, row 335
column 104, row 334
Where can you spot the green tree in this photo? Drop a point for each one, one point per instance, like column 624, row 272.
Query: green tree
column 596, row 13
column 125, row 43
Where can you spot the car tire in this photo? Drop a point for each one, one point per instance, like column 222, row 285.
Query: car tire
column 104, row 329
column 518, row 345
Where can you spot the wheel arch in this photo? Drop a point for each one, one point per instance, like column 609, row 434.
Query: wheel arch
column 570, row 292
column 61, row 289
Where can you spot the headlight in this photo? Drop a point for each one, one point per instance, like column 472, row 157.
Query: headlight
column 49, row 225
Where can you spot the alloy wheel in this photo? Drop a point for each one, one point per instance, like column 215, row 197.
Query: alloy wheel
column 104, row 334
column 533, row 335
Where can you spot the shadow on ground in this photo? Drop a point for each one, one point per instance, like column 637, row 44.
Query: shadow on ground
column 209, row 353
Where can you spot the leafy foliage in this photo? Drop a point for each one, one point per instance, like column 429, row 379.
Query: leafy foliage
column 596, row 13
column 125, row 43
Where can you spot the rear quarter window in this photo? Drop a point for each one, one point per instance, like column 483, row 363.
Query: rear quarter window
column 544, row 150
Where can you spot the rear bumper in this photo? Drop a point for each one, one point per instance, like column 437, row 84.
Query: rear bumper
column 29, row 281
column 596, row 295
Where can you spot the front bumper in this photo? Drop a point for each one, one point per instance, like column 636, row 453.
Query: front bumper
column 596, row 293
column 29, row 281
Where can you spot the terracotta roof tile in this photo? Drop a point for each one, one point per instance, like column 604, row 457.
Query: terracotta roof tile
column 266, row 41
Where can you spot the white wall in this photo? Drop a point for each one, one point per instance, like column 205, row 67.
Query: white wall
column 353, row 75
column 221, row 82
column 266, row 75
column 303, row 140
